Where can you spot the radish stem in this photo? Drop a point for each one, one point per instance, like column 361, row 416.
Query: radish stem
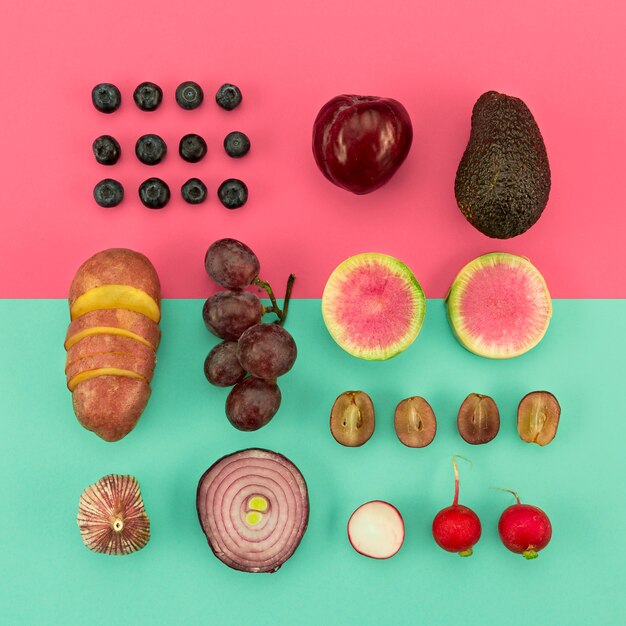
column 456, row 482
column 512, row 492
column 456, row 477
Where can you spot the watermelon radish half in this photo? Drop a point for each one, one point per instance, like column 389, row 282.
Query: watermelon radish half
column 373, row 306
column 499, row 306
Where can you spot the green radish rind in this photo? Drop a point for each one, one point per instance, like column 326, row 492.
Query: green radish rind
column 458, row 288
column 333, row 291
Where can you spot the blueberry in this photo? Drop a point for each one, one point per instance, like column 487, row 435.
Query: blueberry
column 228, row 96
column 236, row 144
column 233, row 193
column 194, row 191
column 106, row 150
column 108, row 193
column 192, row 148
column 148, row 96
column 106, row 97
column 154, row 193
column 150, row 149
column 189, row 95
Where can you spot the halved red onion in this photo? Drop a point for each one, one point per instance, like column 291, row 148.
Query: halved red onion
column 253, row 507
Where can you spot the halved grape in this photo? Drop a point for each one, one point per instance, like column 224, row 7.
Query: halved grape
column 228, row 313
column 252, row 403
column 266, row 351
column 222, row 367
column 231, row 264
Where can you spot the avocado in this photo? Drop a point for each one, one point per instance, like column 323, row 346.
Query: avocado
column 503, row 180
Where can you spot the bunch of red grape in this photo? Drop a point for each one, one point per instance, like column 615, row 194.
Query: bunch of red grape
column 253, row 354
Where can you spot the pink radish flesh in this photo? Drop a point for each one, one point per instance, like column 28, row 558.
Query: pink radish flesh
column 499, row 305
column 376, row 530
column 457, row 528
column 376, row 311
column 373, row 306
column 524, row 529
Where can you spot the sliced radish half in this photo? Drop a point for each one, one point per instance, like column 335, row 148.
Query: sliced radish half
column 373, row 306
column 376, row 530
column 499, row 306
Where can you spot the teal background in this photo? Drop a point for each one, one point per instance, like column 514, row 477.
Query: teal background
column 47, row 459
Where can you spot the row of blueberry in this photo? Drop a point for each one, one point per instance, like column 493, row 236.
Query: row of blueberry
column 155, row 193
column 151, row 149
column 107, row 98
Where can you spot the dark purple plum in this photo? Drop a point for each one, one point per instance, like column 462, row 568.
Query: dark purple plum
column 360, row 141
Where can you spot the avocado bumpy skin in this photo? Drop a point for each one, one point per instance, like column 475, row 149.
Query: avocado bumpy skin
column 503, row 180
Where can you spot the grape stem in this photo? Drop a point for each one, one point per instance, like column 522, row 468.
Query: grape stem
column 288, row 289
column 281, row 313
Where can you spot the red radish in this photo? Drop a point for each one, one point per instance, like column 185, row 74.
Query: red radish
column 457, row 528
column 376, row 529
column 524, row 529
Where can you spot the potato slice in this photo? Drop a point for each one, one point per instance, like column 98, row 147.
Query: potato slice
column 103, row 371
column 109, row 405
column 114, row 322
column 106, row 344
column 116, row 297
column 142, row 364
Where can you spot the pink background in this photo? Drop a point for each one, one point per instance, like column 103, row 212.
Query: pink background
column 567, row 60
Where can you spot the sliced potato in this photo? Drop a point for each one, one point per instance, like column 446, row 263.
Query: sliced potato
column 115, row 307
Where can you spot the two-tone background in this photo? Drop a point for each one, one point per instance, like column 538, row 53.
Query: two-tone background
column 565, row 59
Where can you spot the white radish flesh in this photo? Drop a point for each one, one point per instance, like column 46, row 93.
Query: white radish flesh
column 376, row 530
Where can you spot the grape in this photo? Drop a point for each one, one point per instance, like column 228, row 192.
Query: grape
column 228, row 313
column 221, row 367
column 252, row 403
column 231, row 264
column 266, row 351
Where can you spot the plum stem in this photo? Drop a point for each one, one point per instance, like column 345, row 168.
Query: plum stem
column 509, row 491
column 280, row 313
